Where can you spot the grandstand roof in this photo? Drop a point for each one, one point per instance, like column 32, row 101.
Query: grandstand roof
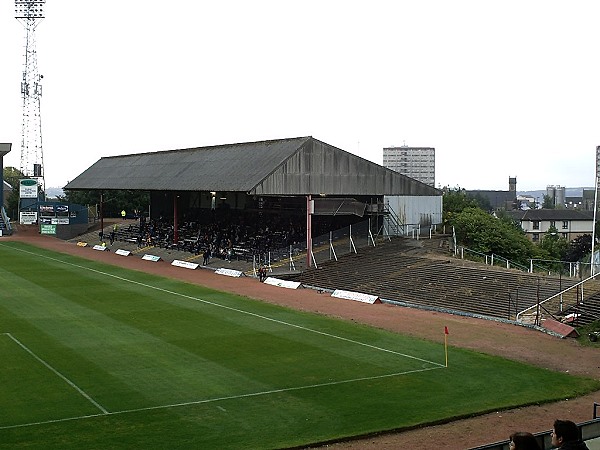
column 294, row 166
column 4, row 149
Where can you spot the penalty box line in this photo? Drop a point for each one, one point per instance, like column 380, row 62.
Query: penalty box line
column 57, row 373
column 220, row 399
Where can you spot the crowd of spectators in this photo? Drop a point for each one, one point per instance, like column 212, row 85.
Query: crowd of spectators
column 235, row 235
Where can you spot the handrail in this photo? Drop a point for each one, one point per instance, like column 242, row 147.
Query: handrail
column 493, row 256
column 570, row 263
column 396, row 222
column 6, row 220
column 556, row 295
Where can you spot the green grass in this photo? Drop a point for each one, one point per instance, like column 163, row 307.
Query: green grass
column 585, row 331
column 94, row 356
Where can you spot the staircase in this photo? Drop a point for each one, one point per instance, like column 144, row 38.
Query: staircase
column 392, row 223
column 5, row 227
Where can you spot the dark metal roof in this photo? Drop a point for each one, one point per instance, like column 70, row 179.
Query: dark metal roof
column 497, row 199
column 551, row 214
column 295, row 166
column 4, row 149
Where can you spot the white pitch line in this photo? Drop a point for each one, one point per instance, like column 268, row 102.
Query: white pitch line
column 177, row 294
column 57, row 373
column 219, row 399
column 276, row 391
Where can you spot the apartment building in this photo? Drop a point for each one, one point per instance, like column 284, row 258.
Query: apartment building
column 415, row 162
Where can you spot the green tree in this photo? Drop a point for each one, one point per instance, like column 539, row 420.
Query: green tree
column 484, row 233
column 454, row 201
column 548, row 202
column 12, row 176
column 553, row 246
column 579, row 248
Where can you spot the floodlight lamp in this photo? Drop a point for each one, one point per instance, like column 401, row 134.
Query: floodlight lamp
column 29, row 9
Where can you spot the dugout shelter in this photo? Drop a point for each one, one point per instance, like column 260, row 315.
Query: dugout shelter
column 300, row 175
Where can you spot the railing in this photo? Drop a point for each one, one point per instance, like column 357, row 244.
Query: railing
column 573, row 268
column 333, row 245
column 392, row 225
column 6, row 220
column 489, row 259
column 559, row 296
column 325, row 247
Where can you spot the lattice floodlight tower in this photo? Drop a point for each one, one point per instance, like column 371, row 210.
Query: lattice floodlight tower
column 30, row 13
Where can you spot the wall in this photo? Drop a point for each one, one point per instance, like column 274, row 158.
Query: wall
column 416, row 210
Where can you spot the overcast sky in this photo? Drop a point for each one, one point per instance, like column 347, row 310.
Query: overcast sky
column 505, row 88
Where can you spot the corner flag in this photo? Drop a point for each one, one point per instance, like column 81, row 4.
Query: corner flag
column 446, row 344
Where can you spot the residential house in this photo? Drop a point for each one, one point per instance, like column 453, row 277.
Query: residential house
column 569, row 223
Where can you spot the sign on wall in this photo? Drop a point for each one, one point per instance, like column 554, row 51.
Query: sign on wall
column 27, row 217
column 28, row 188
column 47, row 229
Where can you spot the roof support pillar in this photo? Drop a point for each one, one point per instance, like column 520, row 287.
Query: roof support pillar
column 102, row 212
column 175, row 223
column 308, row 232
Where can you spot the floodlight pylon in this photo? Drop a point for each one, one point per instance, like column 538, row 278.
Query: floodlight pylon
column 30, row 13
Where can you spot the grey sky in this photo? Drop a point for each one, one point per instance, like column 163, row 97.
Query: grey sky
column 498, row 88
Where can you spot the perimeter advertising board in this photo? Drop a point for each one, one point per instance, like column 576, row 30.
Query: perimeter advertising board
column 28, row 217
column 47, row 229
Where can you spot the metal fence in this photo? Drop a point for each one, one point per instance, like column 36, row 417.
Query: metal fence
column 326, row 247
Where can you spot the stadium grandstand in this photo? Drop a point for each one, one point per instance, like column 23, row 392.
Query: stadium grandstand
column 299, row 203
column 254, row 196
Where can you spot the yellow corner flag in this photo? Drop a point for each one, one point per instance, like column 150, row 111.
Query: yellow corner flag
column 446, row 344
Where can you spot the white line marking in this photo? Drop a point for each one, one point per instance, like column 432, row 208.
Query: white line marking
column 219, row 399
column 255, row 394
column 57, row 373
column 177, row 294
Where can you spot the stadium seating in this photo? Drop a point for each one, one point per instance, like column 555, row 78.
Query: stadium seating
column 415, row 273
column 414, row 276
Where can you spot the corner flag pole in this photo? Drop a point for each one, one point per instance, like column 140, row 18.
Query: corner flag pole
column 446, row 344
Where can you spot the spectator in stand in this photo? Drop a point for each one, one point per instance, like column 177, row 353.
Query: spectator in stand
column 522, row 440
column 566, row 436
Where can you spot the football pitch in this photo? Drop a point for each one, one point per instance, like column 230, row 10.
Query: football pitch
column 96, row 356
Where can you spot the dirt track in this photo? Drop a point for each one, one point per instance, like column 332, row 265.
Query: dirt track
column 490, row 337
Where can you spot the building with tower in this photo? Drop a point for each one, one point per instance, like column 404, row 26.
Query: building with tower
column 414, row 162
column 498, row 200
